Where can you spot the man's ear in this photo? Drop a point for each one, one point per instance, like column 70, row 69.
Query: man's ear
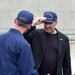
column 56, row 22
column 29, row 26
column 15, row 20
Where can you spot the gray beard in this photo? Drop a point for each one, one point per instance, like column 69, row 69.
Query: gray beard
column 51, row 32
column 48, row 32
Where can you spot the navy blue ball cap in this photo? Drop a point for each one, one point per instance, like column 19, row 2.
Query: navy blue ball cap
column 25, row 17
column 51, row 17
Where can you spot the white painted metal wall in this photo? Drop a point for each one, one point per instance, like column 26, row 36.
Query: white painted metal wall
column 64, row 9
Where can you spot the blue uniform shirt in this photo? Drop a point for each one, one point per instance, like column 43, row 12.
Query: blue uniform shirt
column 15, row 54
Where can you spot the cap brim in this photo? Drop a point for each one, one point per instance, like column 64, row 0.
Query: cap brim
column 48, row 21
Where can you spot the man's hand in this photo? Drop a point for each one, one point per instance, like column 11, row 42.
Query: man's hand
column 38, row 21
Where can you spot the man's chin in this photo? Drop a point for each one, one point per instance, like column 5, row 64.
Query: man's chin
column 48, row 31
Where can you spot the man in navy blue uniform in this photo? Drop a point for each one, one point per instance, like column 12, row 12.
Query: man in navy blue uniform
column 15, row 53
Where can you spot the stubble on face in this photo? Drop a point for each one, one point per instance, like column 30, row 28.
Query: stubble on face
column 50, row 28
column 51, row 31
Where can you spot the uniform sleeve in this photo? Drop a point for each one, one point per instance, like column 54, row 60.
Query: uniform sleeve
column 26, row 62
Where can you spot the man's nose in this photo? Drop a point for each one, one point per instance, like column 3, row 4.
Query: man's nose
column 48, row 25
